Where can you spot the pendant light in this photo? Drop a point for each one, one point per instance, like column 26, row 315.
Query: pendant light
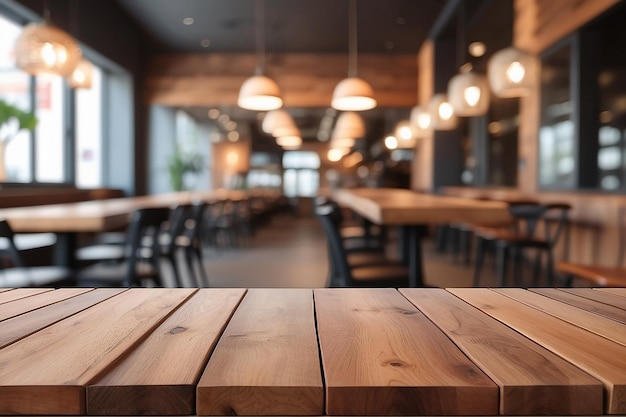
column 275, row 120
column 420, row 120
column 260, row 92
column 82, row 76
column 442, row 116
column 513, row 72
column 467, row 91
column 349, row 124
column 353, row 93
column 44, row 48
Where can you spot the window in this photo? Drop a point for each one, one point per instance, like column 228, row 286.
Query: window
column 50, row 143
column 15, row 89
column 88, row 115
column 301, row 177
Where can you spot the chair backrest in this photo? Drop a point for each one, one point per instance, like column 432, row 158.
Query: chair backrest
column 340, row 273
column 526, row 216
column 144, row 222
column 621, row 229
column 177, row 220
column 14, row 254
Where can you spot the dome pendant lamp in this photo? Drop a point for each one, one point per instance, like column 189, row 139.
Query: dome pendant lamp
column 44, row 48
column 353, row 93
column 513, row 73
column 260, row 92
column 467, row 91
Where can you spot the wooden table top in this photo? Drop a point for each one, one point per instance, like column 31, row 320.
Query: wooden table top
column 394, row 206
column 415, row 351
column 100, row 215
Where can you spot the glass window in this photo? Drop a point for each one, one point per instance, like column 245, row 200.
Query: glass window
column 14, row 89
column 49, row 157
column 89, row 133
column 301, row 176
column 557, row 138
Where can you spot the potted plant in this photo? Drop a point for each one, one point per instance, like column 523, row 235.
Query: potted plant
column 180, row 164
column 12, row 121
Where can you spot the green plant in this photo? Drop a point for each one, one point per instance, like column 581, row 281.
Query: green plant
column 8, row 113
column 181, row 163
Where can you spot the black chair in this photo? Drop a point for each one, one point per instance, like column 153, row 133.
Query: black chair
column 536, row 228
column 14, row 273
column 377, row 273
column 136, row 269
column 190, row 240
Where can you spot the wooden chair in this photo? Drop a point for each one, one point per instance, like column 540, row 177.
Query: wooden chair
column 374, row 271
column 135, row 269
column 190, row 240
column 599, row 275
column 14, row 273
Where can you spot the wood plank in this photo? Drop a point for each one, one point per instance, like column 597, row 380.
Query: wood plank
column 160, row 376
column 267, row 361
column 381, row 356
column 596, row 307
column 599, row 296
column 600, row 357
column 599, row 325
column 18, row 327
column 25, row 305
column 46, row 373
column 16, row 294
column 511, row 360
column 617, row 291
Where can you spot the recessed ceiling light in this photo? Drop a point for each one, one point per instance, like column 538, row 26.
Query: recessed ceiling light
column 205, row 43
column 188, row 21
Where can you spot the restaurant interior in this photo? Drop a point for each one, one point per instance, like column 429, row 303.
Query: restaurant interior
column 503, row 120
column 312, row 207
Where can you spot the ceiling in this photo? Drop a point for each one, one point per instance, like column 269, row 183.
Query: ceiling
column 290, row 26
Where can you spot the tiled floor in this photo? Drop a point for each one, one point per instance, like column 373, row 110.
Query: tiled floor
column 291, row 252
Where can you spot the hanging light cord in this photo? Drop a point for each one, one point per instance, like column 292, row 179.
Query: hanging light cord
column 260, row 37
column 352, row 41
column 46, row 11
column 460, row 27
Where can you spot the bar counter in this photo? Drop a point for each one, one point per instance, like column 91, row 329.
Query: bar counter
column 415, row 351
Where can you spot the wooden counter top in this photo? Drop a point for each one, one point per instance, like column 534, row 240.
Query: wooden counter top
column 412, row 351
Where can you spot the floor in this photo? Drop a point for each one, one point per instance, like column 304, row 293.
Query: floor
column 291, row 251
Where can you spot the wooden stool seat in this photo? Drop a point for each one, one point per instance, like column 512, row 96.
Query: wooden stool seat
column 597, row 276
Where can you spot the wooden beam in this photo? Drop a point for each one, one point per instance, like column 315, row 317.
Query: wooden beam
column 306, row 80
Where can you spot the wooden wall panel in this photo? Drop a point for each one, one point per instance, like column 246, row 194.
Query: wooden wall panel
column 422, row 168
column 306, row 80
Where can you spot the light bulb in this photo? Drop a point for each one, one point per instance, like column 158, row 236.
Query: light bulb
column 445, row 111
column 335, row 155
column 423, row 120
column 391, row 142
column 515, row 72
column 471, row 95
column 48, row 54
column 78, row 76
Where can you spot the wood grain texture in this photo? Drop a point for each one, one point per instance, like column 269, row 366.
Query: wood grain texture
column 599, row 296
column 18, row 293
column 267, row 361
column 381, row 356
column 306, row 80
column 391, row 206
column 46, row 373
column 600, row 357
column 602, row 326
column 24, row 305
column 617, row 291
column 18, row 327
column 511, row 360
column 601, row 309
column 159, row 377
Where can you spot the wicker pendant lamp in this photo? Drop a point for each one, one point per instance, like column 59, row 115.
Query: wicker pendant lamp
column 44, row 48
column 467, row 91
column 260, row 92
column 442, row 116
column 82, row 76
column 513, row 72
column 353, row 93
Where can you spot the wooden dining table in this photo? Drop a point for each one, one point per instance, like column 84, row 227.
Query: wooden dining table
column 414, row 211
column 411, row 351
column 68, row 220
